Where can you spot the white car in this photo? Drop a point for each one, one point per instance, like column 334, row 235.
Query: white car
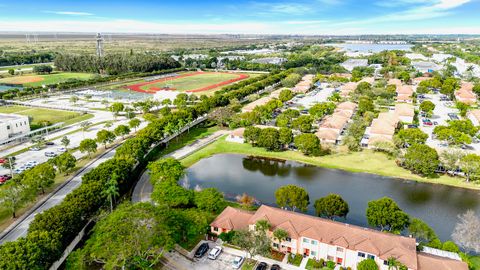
column 237, row 262
column 35, row 148
column 213, row 254
column 32, row 163
column 50, row 154
column 62, row 150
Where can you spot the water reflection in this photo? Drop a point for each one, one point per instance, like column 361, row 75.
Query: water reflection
column 258, row 177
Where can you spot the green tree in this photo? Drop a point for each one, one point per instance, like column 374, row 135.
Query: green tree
column 285, row 95
column 308, row 143
column 331, row 206
column 252, row 135
column 169, row 193
column 293, row 197
column 285, row 136
column 209, row 199
column 64, row 162
column 427, row 106
column 385, row 214
column 368, row 264
column 65, row 141
column 121, row 130
column 280, row 235
column 40, row 177
column 74, row 99
column 410, row 136
column 11, row 71
column 252, row 242
column 111, row 190
column 421, row 231
column 116, row 108
column 303, row 123
column 319, row 110
column 105, row 137
column 470, row 165
column 12, row 196
column 450, row 246
column 166, row 169
column 88, row 145
column 365, row 104
column 421, row 159
column 291, row 80
column 269, row 139
column 134, row 123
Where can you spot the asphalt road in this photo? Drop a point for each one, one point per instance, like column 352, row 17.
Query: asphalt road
column 20, row 228
column 143, row 189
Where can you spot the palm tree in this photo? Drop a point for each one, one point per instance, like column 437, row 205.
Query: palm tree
column 280, row 235
column 111, row 190
column 394, row 264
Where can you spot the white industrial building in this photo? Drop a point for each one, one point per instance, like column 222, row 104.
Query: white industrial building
column 13, row 125
column 350, row 64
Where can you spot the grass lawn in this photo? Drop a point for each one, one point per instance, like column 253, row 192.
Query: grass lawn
column 39, row 80
column 39, row 115
column 295, row 259
column 191, row 82
column 314, row 265
column 366, row 161
column 249, row 264
column 475, row 260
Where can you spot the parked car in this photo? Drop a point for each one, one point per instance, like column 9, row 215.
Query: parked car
column 32, row 163
column 214, row 253
column 435, row 123
column 35, row 148
column 237, row 262
column 262, row 266
column 17, row 171
column 49, row 143
column 202, row 249
column 62, row 149
column 50, row 154
column 421, row 96
column 3, row 160
column 427, row 122
column 4, row 178
column 412, row 126
column 275, row 267
column 453, row 116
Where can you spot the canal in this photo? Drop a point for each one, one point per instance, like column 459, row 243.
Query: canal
column 437, row 205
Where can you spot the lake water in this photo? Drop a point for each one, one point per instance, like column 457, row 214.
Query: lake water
column 7, row 87
column 437, row 205
column 374, row 48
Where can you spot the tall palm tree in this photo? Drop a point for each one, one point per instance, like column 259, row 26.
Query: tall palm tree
column 111, row 190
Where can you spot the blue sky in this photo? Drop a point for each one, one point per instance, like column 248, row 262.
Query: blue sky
column 244, row 16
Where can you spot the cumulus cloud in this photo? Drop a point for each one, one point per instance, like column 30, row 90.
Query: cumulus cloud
column 71, row 13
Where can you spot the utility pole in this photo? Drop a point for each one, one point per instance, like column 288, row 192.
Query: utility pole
column 99, row 40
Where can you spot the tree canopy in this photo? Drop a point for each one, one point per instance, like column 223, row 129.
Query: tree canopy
column 293, row 197
column 331, row 206
column 385, row 214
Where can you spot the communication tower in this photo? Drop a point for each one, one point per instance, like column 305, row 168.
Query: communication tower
column 99, row 40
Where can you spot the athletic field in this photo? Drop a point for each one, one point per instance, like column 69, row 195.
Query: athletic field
column 39, row 80
column 188, row 82
column 39, row 116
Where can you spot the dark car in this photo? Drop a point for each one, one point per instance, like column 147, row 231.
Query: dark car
column 261, row 266
column 202, row 249
column 275, row 267
column 49, row 143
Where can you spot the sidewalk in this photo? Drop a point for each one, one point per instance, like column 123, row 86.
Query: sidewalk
column 283, row 264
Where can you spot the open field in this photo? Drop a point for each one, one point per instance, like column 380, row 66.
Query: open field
column 39, row 80
column 364, row 162
column 189, row 82
column 40, row 115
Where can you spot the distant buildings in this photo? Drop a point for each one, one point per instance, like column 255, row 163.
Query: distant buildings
column 12, row 125
column 425, row 66
column 270, row 60
column 350, row 64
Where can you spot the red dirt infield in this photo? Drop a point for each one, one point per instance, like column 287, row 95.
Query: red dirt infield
column 151, row 90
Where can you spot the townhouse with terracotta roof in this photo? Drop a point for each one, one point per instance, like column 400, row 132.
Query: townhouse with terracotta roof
column 344, row 244
column 418, row 80
column 404, row 94
column 382, row 129
column 305, row 84
column 347, row 88
column 259, row 102
column 332, row 126
column 474, row 116
column 465, row 94
column 397, row 82
column 405, row 112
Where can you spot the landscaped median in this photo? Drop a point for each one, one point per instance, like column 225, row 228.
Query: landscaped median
column 365, row 161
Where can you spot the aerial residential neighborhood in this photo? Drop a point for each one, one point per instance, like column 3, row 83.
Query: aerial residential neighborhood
column 253, row 135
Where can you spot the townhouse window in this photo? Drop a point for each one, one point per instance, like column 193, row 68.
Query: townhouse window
column 339, row 249
column 275, row 245
column 305, row 240
column 313, row 253
column 371, row 257
column 8, row 127
column 314, row 242
column 385, row 262
column 361, row 254
column 329, row 258
column 288, row 239
column 215, row 229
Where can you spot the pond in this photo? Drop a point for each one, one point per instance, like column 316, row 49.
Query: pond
column 437, row 205
column 4, row 88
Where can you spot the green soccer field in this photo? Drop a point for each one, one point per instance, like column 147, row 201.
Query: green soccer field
column 39, row 80
column 41, row 115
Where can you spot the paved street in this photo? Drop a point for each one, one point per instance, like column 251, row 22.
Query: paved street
column 318, row 95
column 144, row 188
column 20, row 229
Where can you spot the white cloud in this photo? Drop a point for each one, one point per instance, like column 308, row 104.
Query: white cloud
column 306, row 22
column 71, row 13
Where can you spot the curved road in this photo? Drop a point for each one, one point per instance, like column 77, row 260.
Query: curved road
column 144, row 188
